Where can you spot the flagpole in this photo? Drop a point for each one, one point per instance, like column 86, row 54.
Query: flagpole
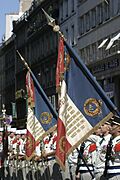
column 56, row 28
column 38, row 84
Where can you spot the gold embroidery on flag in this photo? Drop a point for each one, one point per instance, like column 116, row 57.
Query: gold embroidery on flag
column 92, row 107
column 46, row 118
column 62, row 143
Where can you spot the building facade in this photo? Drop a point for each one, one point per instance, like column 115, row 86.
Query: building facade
column 91, row 27
column 37, row 43
column 68, row 21
column 96, row 28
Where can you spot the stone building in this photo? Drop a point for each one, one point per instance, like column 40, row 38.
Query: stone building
column 96, row 38
column 37, row 43
column 91, row 27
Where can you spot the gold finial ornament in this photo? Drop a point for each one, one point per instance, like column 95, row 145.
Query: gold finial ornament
column 23, row 60
column 51, row 22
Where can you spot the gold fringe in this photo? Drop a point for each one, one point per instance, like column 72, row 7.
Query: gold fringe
column 32, row 155
column 110, row 115
column 59, row 162
column 47, row 132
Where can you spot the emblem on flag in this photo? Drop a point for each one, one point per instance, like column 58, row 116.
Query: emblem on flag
column 62, row 144
column 46, row 118
column 92, row 107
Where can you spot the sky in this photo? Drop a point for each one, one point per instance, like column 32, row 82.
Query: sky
column 6, row 7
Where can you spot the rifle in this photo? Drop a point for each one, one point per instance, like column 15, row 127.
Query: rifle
column 80, row 153
column 80, row 157
column 108, row 156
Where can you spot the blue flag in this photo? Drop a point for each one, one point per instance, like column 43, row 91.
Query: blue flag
column 84, row 106
column 41, row 118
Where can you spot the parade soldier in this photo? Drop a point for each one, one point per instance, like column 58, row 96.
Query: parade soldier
column 89, row 155
column 22, row 142
column 49, row 150
column 11, row 138
column 113, row 165
column 37, row 156
column 1, row 147
column 101, row 144
column 71, row 165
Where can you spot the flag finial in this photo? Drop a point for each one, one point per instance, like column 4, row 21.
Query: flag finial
column 23, row 60
column 51, row 22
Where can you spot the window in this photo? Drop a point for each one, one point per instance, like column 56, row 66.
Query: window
column 94, row 51
column 66, row 7
column 93, row 20
column 87, row 21
column 72, row 34
column 107, row 11
column 72, row 5
column 99, row 14
column 88, row 54
column 61, row 11
column 118, row 7
column 82, row 54
column 81, row 25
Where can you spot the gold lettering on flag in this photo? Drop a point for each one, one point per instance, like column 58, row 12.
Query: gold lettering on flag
column 34, row 126
column 76, row 124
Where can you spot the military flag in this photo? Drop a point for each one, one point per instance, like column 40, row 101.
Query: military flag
column 83, row 105
column 42, row 118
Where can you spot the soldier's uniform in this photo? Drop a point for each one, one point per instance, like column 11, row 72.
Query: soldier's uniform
column 99, row 164
column 113, row 171
column 89, row 155
column 49, row 150
column 37, row 151
column 71, row 165
column 11, row 137
column 1, row 148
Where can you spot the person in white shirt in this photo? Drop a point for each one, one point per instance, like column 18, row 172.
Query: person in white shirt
column 113, row 169
column 101, row 144
column 89, row 155
column 71, row 165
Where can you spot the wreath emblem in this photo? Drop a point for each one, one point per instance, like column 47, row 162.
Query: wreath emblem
column 92, row 107
column 62, row 143
column 30, row 143
column 46, row 118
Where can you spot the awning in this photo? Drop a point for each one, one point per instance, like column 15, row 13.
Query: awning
column 102, row 43
column 112, row 41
